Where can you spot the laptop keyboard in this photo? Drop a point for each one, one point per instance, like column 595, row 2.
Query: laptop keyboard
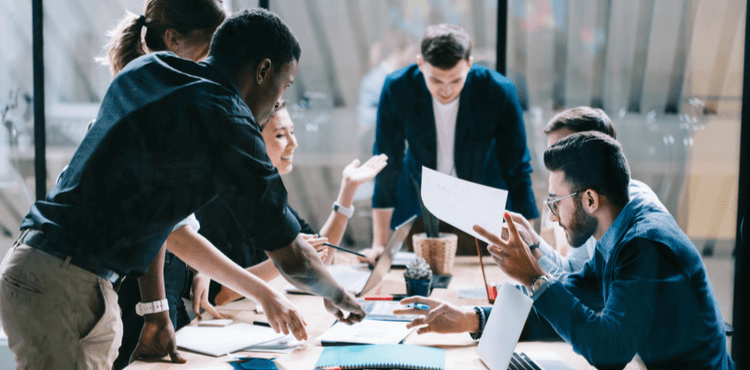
column 520, row 361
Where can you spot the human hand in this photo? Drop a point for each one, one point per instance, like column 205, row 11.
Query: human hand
column 443, row 317
column 349, row 304
column 201, row 282
column 282, row 315
column 157, row 339
column 525, row 229
column 512, row 255
column 358, row 175
column 317, row 243
column 372, row 254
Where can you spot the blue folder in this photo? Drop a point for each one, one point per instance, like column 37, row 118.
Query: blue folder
column 383, row 356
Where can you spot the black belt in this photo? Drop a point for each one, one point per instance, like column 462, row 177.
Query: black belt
column 38, row 240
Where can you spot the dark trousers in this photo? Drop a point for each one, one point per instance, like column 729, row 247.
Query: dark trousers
column 176, row 284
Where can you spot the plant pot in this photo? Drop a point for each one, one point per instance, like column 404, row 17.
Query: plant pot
column 440, row 252
column 417, row 287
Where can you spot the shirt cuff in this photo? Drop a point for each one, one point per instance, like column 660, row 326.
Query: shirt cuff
column 190, row 221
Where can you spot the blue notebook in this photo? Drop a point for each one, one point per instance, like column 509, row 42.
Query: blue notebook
column 383, row 356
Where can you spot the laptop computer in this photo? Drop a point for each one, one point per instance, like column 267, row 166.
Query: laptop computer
column 501, row 334
column 358, row 281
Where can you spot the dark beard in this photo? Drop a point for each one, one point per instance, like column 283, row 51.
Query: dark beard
column 581, row 227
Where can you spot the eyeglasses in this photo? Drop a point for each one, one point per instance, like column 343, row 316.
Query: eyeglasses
column 553, row 202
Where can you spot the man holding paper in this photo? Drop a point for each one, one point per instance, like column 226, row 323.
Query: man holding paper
column 645, row 291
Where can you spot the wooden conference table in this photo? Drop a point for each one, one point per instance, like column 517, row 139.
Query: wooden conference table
column 460, row 349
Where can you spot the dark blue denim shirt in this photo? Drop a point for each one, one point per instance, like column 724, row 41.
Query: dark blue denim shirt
column 645, row 292
column 490, row 140
column 170, row 136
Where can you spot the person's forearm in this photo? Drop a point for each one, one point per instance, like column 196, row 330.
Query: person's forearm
column 152, row 284
column 264, row 270
column 335, row 226
column 196, row 251
column 300, row 264
column 381, row 225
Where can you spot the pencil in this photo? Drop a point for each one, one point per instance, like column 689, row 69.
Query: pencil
column 344, row 249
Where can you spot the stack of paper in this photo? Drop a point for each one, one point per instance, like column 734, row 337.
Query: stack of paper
column 365, row 332
column 285, row 344
column 219, row 341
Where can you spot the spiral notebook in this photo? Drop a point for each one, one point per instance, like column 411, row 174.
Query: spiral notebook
column 383, row 356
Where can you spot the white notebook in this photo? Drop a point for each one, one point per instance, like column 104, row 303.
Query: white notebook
column 219, row 341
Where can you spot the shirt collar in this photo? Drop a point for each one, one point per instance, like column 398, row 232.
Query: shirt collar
column 228, row 78
column 609, row 240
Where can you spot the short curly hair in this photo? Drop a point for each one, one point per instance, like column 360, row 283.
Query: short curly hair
column 252, row 35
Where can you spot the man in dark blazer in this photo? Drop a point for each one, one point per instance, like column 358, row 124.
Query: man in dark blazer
column 447, row 114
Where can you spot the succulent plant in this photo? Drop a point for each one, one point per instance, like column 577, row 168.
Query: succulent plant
column 418, row 269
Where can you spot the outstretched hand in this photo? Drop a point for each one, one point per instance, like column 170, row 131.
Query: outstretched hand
column 201, row 283
column 157, row 339
column 512, row 255
column 443, row 317
column 349, row 304
column 361, row 174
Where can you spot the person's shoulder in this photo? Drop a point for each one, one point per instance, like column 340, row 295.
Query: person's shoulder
column 484, row 81
column 404, row 76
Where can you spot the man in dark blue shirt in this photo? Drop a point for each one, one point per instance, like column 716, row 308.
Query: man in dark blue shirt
column 171, row 135
column 645, row 291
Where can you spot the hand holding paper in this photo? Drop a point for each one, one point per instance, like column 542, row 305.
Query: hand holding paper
column 512, row 255
column 463, row 204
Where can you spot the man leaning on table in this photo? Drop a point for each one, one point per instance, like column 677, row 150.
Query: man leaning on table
column 170, row 136
column 645, row 291
column 452, row 115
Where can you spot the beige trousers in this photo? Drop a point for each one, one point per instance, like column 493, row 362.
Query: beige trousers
column 56, row 315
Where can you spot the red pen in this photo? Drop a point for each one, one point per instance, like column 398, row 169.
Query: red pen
column 395, row 297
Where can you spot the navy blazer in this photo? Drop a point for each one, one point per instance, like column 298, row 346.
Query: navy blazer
column 490, row 142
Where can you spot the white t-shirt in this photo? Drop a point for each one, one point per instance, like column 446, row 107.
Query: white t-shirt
column 445, row 123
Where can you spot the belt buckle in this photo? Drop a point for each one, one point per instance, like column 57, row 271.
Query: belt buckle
column 117, row 282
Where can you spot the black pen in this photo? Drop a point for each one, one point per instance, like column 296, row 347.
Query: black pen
column 344, row 249
column 261, row 323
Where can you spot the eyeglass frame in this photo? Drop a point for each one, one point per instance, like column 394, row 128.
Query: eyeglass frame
column 550, row 201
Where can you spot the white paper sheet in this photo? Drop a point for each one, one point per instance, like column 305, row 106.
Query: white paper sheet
column 367, row 332
column 504, row 327
column 223, row 340
column 463, row 204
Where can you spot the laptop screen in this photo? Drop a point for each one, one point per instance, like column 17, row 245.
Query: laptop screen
column 383, row 265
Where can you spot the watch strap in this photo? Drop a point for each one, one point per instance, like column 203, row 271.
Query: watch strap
column 151, row 307
column 346, row 211
column 539, row 285
column 533, row 246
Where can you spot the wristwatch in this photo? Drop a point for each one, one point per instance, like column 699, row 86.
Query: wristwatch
column 533, row 246
column 346, row 211
column 539, row 285
column 151, row 307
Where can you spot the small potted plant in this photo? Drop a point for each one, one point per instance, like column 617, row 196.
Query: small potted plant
column 438, row 249
column 418, row 277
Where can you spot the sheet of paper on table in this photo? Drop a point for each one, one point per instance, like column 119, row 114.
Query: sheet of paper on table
column 365, row 332
column 219, row 341
column 463, row 204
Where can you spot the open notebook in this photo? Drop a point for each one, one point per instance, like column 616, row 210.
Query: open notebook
column 358, row 281
column 503, row 329
column 382, row 356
